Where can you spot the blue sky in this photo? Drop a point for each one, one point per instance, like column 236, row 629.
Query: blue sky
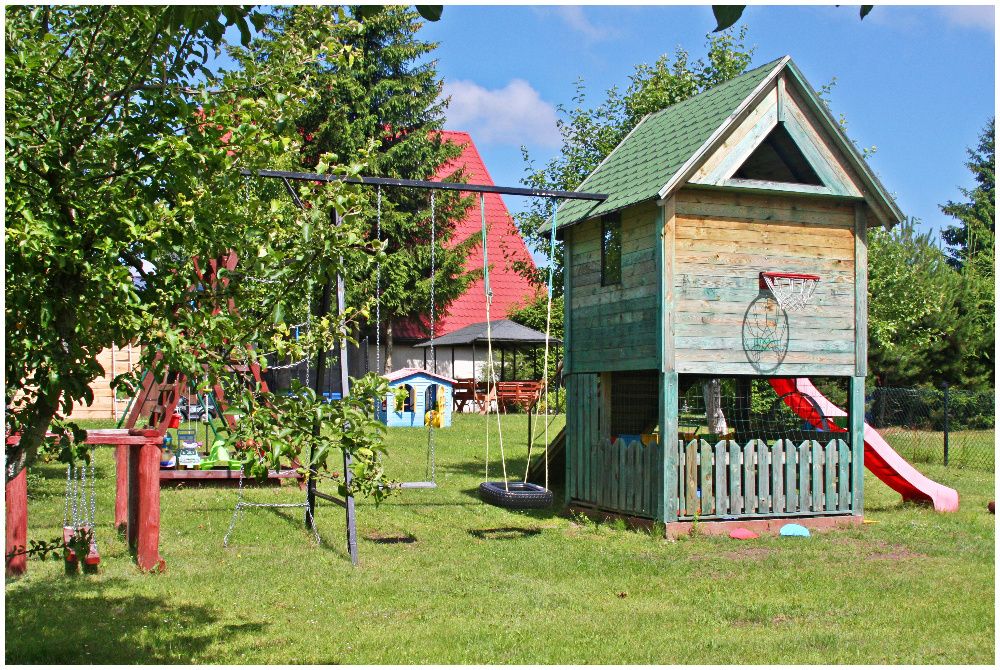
column 916, row 82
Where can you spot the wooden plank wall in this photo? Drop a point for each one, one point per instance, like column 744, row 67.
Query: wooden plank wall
column 626, row 478
column 615, row 327
column 582, row 432
column 723, row 240
column 115, row 361
column 757, row 479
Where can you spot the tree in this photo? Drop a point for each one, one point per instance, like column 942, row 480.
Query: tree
column 123, row 158
column 918, row 326
column 390, row 94
column 971, row 245
column 971, row 241
column 589, row 134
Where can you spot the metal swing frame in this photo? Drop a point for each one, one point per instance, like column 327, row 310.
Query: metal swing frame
column 287, row 177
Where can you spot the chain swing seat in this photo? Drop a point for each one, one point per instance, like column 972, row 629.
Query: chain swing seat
column 79, row 511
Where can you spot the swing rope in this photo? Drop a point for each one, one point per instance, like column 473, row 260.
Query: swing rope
column 545, row 364
column 488, row 291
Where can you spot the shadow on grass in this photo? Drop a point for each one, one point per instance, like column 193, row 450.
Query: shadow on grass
column 505, row 533
column 84, row 623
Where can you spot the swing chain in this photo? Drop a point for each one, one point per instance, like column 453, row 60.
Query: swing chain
column 69, row 468
column 93, row 495
column 430, row 434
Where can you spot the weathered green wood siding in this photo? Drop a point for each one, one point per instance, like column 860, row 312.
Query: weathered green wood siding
column 615, row 327
column 757, row 479
column 723, row 240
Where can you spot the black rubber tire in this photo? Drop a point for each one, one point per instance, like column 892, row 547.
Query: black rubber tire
column 515, row 495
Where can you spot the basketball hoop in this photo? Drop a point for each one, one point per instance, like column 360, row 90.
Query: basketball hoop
column 792, row 290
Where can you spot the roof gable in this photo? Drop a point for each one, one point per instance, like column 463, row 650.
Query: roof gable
column 505, row 246
column 705, row 139
column 659, row 146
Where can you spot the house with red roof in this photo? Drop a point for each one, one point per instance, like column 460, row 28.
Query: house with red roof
column 505, row 248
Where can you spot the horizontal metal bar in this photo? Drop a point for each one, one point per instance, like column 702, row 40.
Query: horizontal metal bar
column 440, row 185
column 417, row 485
column 335, row 500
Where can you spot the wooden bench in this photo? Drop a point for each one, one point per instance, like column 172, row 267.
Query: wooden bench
column 524, row 394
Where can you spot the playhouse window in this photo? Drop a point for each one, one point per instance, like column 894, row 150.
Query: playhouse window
column 430, row 397
column 611, row 249
column 409, row 397
column 779, row 159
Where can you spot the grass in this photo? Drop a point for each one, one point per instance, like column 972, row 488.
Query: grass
column 446, row 579
column 966, row 448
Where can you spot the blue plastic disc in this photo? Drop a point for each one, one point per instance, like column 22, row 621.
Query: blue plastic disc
column 794, row 530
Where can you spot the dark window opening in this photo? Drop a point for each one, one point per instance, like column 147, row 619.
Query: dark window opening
column 611, row 249
column 635, row 403
column 779, row 159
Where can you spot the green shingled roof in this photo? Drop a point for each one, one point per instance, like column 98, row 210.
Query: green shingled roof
column 658, row 146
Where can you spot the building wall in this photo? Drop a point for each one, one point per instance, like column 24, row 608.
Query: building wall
column 723, row 240
column 614, row 327
column 115, row 360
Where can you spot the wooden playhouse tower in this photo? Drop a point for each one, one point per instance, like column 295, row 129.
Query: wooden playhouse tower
column 667, row 307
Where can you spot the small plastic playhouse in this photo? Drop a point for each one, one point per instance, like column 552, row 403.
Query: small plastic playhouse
column 416, row 398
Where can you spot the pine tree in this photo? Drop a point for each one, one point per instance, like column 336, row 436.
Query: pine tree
column 389, row 105
column 971, row 245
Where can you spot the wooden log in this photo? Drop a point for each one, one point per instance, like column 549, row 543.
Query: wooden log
column 148, row 509
column 16, row 500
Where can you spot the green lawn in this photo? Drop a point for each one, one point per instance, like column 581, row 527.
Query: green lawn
column 966, row 448
column 479, row 584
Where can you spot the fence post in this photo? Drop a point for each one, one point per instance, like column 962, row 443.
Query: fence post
column 946, row 423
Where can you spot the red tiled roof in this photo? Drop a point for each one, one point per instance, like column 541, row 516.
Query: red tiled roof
column 504, row 245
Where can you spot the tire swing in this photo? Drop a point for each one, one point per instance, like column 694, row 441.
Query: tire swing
column 518, row 495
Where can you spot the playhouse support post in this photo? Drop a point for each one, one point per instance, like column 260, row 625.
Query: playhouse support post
column 856, row 417
column 16, row 499
column 668, row 443
column 121, row 488
column 666, row 223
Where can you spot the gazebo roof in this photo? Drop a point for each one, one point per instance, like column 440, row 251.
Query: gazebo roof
column 503, row 332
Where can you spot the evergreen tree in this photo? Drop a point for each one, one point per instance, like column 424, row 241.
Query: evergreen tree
column 388, row 106
column 972, row 245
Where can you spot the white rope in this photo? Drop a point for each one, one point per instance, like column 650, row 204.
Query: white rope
column 487, row 289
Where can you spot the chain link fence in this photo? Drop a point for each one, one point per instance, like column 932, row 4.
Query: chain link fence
column 944, row 426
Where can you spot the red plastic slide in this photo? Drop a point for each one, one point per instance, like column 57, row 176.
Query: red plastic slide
column 880, row 458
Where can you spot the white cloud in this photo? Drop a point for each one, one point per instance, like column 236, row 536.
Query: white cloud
column 514, row 114
column 970, row 16
column 575, row 19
